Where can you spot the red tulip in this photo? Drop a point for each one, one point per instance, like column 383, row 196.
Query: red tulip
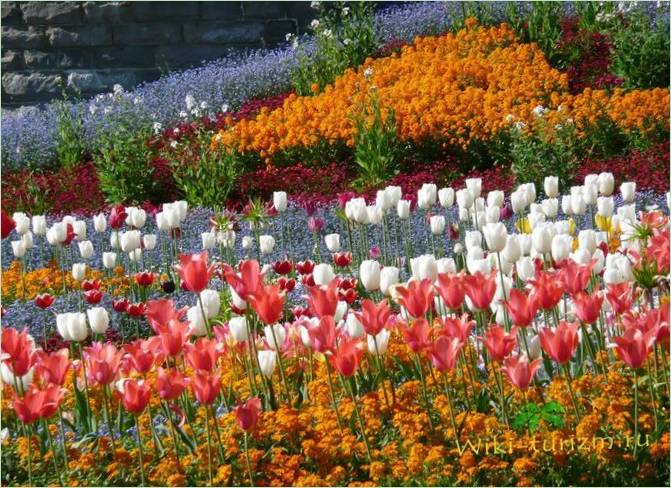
column 498, row 343
column 141, row 355
column 633, row 347
column 102, row 362
column 268, row 303
column 480, row 288
column 342, row 259
column 575, row 276
column 69, row 234
column 7, row 224
column 521, row 307
column 305, row 267
column 373, row 316
column 561, row 342
column 588, row 306
column 416, row 297
column 93, row 297
column 347, row 284
column 445, row 351
column 134, row 395
column 136, row 310
column 286, row 284
column 44, row 300
column 120, row 306
column 323, row 336
column 194, row 271
column 144, row 278
column 548, row 289
column 418, row 336
column 248, row 413
column 660, row 250
column 203, row 354
column 323, row 301
column 206, row 386
column 451, row 290
column 117, row 217
column 620, row 297
column 18, row 350
column 36, row 403
column 283, row 267
column 173, row 337
column 170, row 384
column 457, row 327
column 348, row 295
column 53, row 368
column 308, row 280
column 90, row 285
column 520, row 371
column 247, row 282
column 347, row 357
column 161, row 312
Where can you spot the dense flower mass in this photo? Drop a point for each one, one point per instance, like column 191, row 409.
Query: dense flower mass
column 456, row 87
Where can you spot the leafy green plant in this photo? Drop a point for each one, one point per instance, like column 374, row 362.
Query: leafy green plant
column 376, row 144
column 344, row 37
column 205, row 176
column 542, row 25
column 69, row 132
column 531, row 415
column 641, row 54
column 546, row 151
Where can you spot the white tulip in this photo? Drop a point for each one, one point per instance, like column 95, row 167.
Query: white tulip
column 57, row 233
column 226, row 238
column 465, row 199
column 369, row 273
column 535, row 218
column 512, row 252
column 267, row 362
column 474, row 186
column 403, row 209
column 530, row 192
column 196, row 321
column 19, row 249
column 394, row 194
column 332, row 242
column 496, row 236
column 237, row 326
column 550, row 207
column 277, row 340
column 99, row 319
column 280, row 201
column 587, row 240
column 323, row 274
column 109, row 260
column 561, row 247
column 605, row 206
column 389, row 276
column 427, row 195
column 541, row 239
column 136, row 217
column 606, row 184
column 39, row 223
column 135, row 255
column 130, row 240
column 566, row 205
column 341, row 310
column 446, row 265
column 211, row 302
column 383, row 200
column 149, row 241
column 247, row 242
column 162, row 222
column 79, row 228
column 437, row 224
column 354, row 327
column 581, row 256
column 374, row 215
column 100, row 223
column 446, row 197
column 424, row 267
column 79, row 271
column 495, row 198
column 9, row 378
column 591, row 179
column 590, row 194
column 578, row 204
column 27, row 240
column 492, row 215
column 22, row 222
column 551, row 186
column 85, row 249
column 525, row 268
column 518, row 200
column 473, row 238
column 114, row 240
column 72, row 326
column 377, row 345
column 209, row 240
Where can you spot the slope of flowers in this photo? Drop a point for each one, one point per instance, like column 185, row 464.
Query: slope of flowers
column 457, row 87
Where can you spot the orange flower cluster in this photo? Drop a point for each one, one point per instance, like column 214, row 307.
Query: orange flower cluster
column 458, row 87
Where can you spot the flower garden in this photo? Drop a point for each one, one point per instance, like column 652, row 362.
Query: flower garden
column 426, row 245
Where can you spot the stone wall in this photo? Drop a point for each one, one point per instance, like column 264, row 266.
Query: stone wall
column 91, row 46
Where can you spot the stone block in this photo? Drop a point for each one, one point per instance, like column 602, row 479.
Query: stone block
column 263, row 10
column 10, row 13
column 88, row 35
column 154, row 34
column 62, row 59
column 100, row 81
column 277, row 30
column 51, row 12
column 107, row 12
column 220, row 10
column 30, row 37
column 218, row 33
column 27, row 85
column 11, row 60
column 124, row 56
column 152, row 11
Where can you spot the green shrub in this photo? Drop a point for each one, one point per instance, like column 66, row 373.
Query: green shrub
column 69, row 133
column 376, row 144
column 344, row 36
column 542, row 25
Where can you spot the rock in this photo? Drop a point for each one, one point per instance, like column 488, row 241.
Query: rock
column 218, row 33
column 19, row 84
column 90, row 35
column 154, row 34
column 11, row 60
column 51, row 12
column 30, row 37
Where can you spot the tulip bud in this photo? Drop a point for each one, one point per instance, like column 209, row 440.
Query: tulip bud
column 566, row 205
column 369, row 273
column 427, row 195
column 135, row 255
column 492, row 214
column 195, row 317
column 374, row 215
column 446, row 197
column 79, row 228
column 98, row 319
column 525, row 268
column 496, row 236
column 100, row 223
column 275, row 335
column 72, row 326
column 280, row 201
column 561, row 247
column 19, row 249
column 473, row 238
column 550, row 207
column 85, row 249
column 551, row 186
column 354, row 327
column 267, row 362
column 162, row 222
column 512, row 252
column 109, row 260
column 389, row 276
column 332, row 242
column 605, row 206
column 39, row 225
column 149, row 241
column 377, row 345
column 424, row 267
column 465, row 199
column 9, row 378
column 247, row 242
column 587, row 240
column 590, row 194
column 237, row 326
column 578, row 204
column 211, row 302
column 495, row 198
column 394, row 194
column 437, row 224
column 606, row 183
column 323, row 274
column 267, row 244
column 27, row 240
column 209, row 240
column 518, row 200
column 114, row 240
column 130, row 240
column 474, row 186
column 22, row 222
column 341, row 310
column 79, row 271
column 446, row 265
column 403, row 209
column 56, row 233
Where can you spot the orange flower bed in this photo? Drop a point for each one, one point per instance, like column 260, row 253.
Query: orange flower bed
column 458, row 87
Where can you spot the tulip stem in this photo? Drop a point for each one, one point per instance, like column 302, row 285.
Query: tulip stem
column 173, row 434
column 108, row 420
column 28, row 435
column 249, row 464
column 635, row 411
column 358, row 416
column 50, row 443
column 382, row 371
column 65, row 450
column 209, row 444
column 569, row 385
column 220, row 451
column 202, row 311
column 653, row 398
column 333, row 399
column 427, row 404
column 451, row 408
column 86, row 384
column 139, row 445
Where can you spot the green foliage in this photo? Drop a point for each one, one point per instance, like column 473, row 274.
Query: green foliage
column 204, row 175
column 376, row 145
column 641, row 54
column 547, row 151
column 69, row 132
column 542, row 25
column 531, row 415
column 344, row 36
